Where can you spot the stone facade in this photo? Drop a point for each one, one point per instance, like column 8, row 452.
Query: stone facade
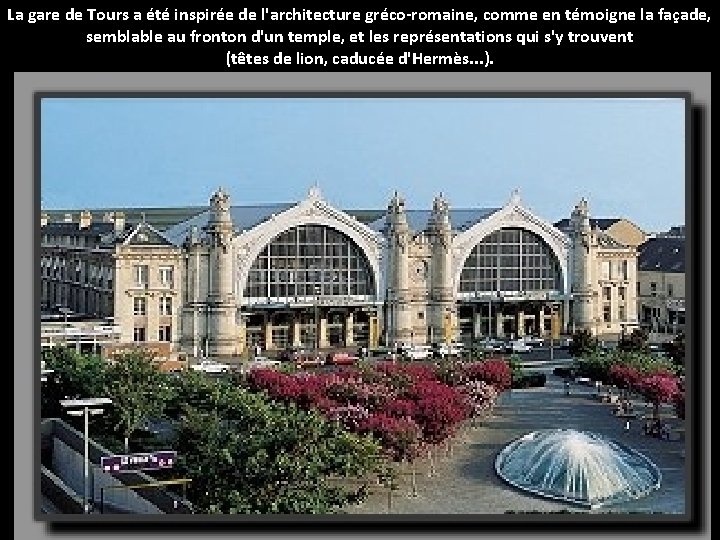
column 231, row 279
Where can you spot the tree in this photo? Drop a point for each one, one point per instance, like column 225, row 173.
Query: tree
column 636, row 341
column 74, row 375
column 249, row 455
column 583, row 343
column 675, row 349
column 659, row 388
column 138, row 390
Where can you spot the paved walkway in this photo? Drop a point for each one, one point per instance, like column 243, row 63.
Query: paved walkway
column 465, row 481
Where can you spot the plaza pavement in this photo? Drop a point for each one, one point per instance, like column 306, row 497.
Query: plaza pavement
column 465, row 481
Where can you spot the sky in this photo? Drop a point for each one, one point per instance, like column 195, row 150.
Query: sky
column 626, row 156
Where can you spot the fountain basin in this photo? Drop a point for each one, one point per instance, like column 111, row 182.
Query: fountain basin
column 580, row 467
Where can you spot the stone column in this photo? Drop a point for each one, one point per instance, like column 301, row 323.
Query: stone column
column 349, row 335
column 296, row 330
column 323, row 337
column 267, row 330
column 520, row 324
column 478, row 329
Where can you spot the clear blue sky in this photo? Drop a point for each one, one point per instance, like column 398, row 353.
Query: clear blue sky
column 626, row 156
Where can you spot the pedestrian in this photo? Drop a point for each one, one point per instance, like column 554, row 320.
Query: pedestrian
column 257, row 350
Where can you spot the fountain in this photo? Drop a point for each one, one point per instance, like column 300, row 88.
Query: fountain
column 580, row 467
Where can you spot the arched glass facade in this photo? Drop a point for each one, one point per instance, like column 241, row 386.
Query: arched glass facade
column 310, row 261
column 511, row 259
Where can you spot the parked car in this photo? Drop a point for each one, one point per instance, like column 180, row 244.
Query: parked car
column 534, row 341
column 418, row 352
column 517, row 346
column 341, row 359
column 443, row 350
column 259, row 362
column 290, row 354
column 490, row 345
column 210, row 366
column 309, row 360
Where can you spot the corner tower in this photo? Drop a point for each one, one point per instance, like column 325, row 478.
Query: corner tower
column 582, row 273
column 222, row 339
column 398, row 290
column 442, row 304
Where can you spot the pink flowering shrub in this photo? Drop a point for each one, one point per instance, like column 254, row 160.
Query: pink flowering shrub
column 481, row 396
column 658, row 388
column 350, row 416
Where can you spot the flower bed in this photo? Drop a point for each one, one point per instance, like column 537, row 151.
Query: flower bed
column 405, row 406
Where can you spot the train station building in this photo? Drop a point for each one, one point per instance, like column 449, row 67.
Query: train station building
column 220, row 279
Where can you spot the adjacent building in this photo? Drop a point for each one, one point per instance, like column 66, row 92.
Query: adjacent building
column 225, row 278
column 661, row 282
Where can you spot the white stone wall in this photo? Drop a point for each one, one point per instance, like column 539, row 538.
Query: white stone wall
column 126, row 289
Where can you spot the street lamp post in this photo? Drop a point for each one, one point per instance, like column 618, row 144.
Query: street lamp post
column 85, row 407
column 316, row 333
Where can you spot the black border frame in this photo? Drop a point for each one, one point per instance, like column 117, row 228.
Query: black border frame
column 696, row 350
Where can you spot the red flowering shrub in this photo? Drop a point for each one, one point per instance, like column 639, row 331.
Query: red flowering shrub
column 400, row 408
column 277, row 385
column 402, row 405
column 438, row 409
column 496, row 372
column 400, row 436
column 624, row 377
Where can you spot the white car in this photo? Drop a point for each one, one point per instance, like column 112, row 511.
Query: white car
column 210, row 366
column 534, row 341
column 518, row 346
column 259, row 362
column 449, row 349
column 418, row 352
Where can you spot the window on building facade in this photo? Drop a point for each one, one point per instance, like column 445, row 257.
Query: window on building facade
column 605, row 270
column 165, row 305
column 670, row 289
column 653, row 288
column 139, row 305
column 141, row 274
column 511, row 260
column 164, row 333
column 621, row 294
column 166, row 276
column 309, row 261
column 624, row 270
column 607, row 294
column 607, row 314
column 139, row 334
column 621, row 313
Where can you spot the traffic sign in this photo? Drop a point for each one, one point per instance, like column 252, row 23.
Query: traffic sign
column 152, row 461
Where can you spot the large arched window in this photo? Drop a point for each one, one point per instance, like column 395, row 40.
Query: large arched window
column 309, row 261
column 511, row 259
